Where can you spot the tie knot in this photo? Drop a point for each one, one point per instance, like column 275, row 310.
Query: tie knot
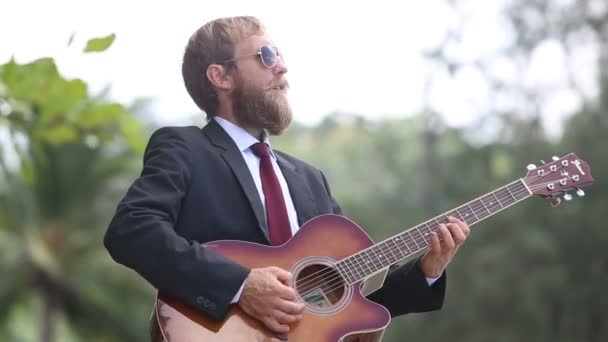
column 261, row 150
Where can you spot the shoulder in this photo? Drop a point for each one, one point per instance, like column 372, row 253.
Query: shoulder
column 176, row 132
column 299, row 163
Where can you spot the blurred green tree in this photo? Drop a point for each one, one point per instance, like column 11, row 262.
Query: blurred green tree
column 64, row 152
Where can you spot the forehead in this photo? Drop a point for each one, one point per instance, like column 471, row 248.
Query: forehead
column 252, row 44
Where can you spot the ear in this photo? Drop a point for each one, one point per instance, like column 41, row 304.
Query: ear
column 219, row 77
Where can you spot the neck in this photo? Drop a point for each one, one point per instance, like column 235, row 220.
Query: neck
column 258, row 133
column 416, row 239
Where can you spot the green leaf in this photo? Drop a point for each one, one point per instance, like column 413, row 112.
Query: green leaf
column 60, row 134
column 100, row 44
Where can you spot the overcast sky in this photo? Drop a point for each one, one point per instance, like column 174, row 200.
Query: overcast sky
column 364, row 57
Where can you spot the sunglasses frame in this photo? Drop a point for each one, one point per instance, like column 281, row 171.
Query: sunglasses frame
column 272, row 49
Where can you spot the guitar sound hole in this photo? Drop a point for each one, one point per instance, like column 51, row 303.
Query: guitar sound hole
column 320, row 286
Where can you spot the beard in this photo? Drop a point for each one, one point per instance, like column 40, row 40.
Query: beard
column 257, row 108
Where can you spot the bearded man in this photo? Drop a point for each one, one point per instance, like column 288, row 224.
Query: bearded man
column 201, row 185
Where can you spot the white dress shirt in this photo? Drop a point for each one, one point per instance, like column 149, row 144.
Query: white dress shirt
column 243, row 141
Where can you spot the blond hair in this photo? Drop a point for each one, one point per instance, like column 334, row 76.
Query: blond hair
column 213, row 43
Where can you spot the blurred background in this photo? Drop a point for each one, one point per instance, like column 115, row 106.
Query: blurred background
column 411, row 109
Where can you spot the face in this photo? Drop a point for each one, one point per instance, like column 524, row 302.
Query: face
column 259, row 97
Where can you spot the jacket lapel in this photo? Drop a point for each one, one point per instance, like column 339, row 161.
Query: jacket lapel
column 234, row 159
column 298, row 189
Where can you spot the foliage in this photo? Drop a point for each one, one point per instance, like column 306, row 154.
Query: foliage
column 531, row 273
column 63, row 150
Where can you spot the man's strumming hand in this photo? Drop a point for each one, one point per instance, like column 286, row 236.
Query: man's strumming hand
column 269, row 297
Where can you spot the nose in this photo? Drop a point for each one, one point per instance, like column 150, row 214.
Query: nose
column 280, row 68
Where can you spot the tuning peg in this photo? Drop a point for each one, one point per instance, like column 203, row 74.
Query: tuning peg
column 555, row 201
column 568, row 197
column 531, row 167
column 580, row 193
column 542, row 162
column 555, row 158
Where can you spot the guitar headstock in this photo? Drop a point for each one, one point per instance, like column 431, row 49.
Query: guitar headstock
column 558, row 177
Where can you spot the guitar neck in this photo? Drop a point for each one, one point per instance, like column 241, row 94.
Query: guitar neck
column 416, row 239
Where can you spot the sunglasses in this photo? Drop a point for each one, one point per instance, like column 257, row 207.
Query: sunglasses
column 268, row 54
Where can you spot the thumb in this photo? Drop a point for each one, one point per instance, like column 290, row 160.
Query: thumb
column 284, row 277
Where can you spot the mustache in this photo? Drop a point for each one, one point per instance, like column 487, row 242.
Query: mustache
column 283, row 84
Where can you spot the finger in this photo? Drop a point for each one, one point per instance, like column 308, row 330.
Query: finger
column 284, row 318
column 447, row 244
column 286, row 292
column 435, row 245
column 288, row 307
column 273, row 324
column 457, row 233
column 283, row 276
column 465, row 227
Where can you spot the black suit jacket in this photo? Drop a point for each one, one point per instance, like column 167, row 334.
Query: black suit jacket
column 195, row 187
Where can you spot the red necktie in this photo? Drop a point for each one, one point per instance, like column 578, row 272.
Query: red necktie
column 279, row 228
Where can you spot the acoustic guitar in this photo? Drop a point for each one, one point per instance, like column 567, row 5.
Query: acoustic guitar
column 328, row 276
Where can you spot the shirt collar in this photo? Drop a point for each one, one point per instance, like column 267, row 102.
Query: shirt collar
column 241, row 137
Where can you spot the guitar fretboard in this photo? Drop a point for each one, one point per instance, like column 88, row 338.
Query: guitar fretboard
column 416, row 239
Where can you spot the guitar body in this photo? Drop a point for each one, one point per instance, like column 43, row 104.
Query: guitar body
column 334, row 310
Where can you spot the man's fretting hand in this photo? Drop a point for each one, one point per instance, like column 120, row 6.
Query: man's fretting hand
column 269, row 297
column 439, row 255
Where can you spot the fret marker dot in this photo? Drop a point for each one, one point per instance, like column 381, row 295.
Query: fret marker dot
column 467, row 214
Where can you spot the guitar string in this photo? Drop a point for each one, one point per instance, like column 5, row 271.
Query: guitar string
column 530, row 180
column 475, row 209
column 416, row 240
column 340, row 282
column 338, row 277
column 337, row 283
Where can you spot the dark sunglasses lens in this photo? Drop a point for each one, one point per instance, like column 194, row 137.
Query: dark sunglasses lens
column 269, row 56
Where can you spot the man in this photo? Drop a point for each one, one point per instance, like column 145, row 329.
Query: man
column 214, row 183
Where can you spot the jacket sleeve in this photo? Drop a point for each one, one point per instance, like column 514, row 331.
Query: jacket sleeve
column 141, row 234
column 406, row 290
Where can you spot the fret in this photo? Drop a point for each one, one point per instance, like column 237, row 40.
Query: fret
column 353, row 269
column 461, row 217
column 504, row 193
column 342, row 270
column 360, row 263
column 480, row 212
column 411, row 245
column 381, row 258
column 348, row 263
column 453, row 214
column 416, row 230
column 390, row 249
column 369, row 262
column 429, row 234
column 398, row 240
column 412, row 238
column 525, row 193
column 510, row 193
column 495, row 206
column 473, row 211
column 497, row 200
column 363, row 262
column 375, row 260
column 485, row 206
